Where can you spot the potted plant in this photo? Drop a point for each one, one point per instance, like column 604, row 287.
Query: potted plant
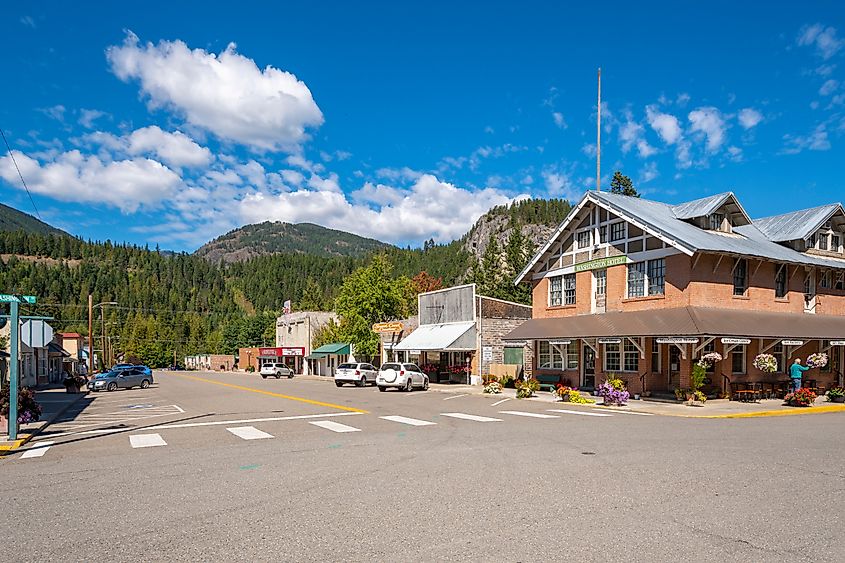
column 801, row 398
column 28, row 409
column 613, row 391
column 562, row 392
column 492, row 385
column 836, row 395
column 73, row 383
column 766, row 363
column 526, row 388
column 818, row 360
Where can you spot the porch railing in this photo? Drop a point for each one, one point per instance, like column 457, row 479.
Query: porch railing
column 726, row 383
column 642, row 381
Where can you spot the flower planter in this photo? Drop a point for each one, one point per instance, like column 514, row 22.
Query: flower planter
column 838, row 400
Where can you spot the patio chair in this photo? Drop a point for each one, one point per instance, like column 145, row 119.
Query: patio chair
column 755, row 391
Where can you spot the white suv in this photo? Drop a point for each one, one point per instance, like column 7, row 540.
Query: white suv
column 360, row 374
column 276, row 370
column 401, row 376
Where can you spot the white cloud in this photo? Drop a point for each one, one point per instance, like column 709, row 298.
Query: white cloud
column 72, row 176
column 226, row 94
column 559, row 120
column 87, row 117
column 631, row 134
column 829, row 87
column 429, row 208
column 823, row 38
column 709, row 122
column 682, row 154
column 817, row 140
column 735, row 153
column 176, row 149
column 666, row 125
column 28, row 21
column 649, row 172
column 749, row 117
column 56, row 112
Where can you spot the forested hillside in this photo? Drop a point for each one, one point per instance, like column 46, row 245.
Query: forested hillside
column 13, row 220
column 265, row 238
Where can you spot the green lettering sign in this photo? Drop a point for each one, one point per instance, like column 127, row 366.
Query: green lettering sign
column 600, row 263
column 6, row 298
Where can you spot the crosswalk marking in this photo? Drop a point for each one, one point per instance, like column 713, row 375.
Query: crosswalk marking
column 633, row 412
column 249, row 433
column 406, row 420
column 146, row 440
column 529, row 414
column 38, row 450
column 500, row 402
column 474, row 418
column 580, row 412
column 335, row 426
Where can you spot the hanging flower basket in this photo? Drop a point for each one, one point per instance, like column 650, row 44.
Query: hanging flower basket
column 707, row 360
column 766, row 363
column 817, row 360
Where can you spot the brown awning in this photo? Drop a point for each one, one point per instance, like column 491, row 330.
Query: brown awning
column 685, row 321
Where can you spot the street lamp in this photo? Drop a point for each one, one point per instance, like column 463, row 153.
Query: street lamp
column 91, row 308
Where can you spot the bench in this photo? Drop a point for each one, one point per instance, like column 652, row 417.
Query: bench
column 547, row 382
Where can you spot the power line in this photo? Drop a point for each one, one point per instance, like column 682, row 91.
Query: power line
column 15, row 162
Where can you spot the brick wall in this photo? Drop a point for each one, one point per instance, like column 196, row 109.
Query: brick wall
column 492, row 331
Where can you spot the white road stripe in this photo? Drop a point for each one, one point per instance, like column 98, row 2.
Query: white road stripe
column 249, row 433
column 146, row 440
column 37, row 450
column 455, row 397
column 472, row 417
column 335, row 426
column 500, row 402
column 580, row 412
column 529, row 414
column 633, row 412
column 406, row 420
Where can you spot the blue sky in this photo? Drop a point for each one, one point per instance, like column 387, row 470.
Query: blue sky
column 172, row 123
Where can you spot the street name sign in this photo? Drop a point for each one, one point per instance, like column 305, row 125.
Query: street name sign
column 7, row 298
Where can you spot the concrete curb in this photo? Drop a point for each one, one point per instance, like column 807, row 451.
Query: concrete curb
column 8, row 446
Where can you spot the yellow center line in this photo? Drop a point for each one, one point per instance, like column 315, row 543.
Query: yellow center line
column 270, row 393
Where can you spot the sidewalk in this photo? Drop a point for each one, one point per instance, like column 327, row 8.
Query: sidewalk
column 54, row 402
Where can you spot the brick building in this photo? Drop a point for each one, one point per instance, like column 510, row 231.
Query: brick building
column 642, row 289
column 460, row 331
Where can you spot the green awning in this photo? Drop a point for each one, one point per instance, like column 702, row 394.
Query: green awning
column 333, row 348
column 315, row 356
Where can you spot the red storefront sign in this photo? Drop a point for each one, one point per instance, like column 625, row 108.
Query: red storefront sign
column 285, row 351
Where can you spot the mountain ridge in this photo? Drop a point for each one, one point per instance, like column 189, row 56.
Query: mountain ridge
column 12, row 219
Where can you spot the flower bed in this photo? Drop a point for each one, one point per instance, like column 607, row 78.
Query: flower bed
column 766, row 363
column 801, row 398
column 817, row 360
column 526, row 388
column 493, row 388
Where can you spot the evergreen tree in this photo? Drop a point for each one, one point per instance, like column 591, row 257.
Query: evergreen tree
column 622, row 185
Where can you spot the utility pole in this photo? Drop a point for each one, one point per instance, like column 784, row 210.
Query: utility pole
column 103, row 336
column 90, row 334
column 598, row 140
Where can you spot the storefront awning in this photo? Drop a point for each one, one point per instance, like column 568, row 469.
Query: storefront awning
column 451, row 336
column 333, row 348
column 685, row 321
column 315, row 356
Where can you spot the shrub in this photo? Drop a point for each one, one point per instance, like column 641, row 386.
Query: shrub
column 835, row 393
column 576, row 397
column 699, row 374
column 612, row 394
column 801, row 398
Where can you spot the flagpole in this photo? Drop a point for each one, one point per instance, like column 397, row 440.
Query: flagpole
column 598, row 140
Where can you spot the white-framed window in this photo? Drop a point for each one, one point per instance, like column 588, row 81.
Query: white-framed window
column 716, row 220
column 617, row 231
column 824, row 279
column 738, row 360
column 647, row 278
column 582, row 239
column 601, row 281
column 569, row 289
column 656, row 357
column 612, row 358
column 823, row 239
column 781, row 276
column 544, row 356
column 779, row 352
column 740, row 276
column 555, row 291
column 603, row 234
column 636, row 279
column 631, row 360
column 572, row 355
column 835, row 241
column 811, row 242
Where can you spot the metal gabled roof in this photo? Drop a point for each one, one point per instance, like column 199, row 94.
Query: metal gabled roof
column 700, row 207
column 660, row 219
column 796, row 224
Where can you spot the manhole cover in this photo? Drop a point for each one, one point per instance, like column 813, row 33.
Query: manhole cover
column 588, row 453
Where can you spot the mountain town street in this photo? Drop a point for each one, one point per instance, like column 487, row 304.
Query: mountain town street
column 229, row 466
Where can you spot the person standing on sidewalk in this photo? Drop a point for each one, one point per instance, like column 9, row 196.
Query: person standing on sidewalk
column 796, row 372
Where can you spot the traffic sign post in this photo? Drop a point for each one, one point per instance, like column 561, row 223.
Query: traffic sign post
column 14, row 302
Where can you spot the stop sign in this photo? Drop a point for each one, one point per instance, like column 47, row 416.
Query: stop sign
column 36, row 334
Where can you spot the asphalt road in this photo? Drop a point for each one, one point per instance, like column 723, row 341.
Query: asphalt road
column 517, row 488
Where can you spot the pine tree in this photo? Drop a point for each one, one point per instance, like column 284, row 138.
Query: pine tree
column 622, row 185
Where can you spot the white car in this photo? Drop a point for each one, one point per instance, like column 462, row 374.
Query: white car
column 360, row 374
column 276, row 370
column 401, row 376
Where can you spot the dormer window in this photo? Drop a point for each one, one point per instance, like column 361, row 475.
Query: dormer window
column 835, row 244
column 716, row 220
column 811, row 242
column 823, row 241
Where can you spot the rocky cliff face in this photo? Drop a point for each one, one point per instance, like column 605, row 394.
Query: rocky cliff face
column 499, row 227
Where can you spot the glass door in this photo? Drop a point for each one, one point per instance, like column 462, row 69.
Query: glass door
column 588, row 376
